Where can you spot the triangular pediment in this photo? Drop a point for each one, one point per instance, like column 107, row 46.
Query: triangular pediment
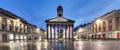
column 61, row 19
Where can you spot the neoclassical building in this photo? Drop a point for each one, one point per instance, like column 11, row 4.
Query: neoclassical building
column 59, row 27
column 106, row 26
column 83, row 31
column 15, row 28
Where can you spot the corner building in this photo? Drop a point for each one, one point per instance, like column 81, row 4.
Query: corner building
column 59, row 27
column 107, row 26
column 14, row 28
column 104, row 27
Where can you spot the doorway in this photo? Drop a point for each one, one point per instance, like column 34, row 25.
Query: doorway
column 4, row 37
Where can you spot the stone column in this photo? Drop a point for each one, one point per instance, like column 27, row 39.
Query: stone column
column 56, row 28
column 64, row 31
column 71, row 31
column 67, row 31
column 52, row 32
column 49, row 31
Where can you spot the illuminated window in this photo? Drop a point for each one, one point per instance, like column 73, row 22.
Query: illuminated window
column 11, row 36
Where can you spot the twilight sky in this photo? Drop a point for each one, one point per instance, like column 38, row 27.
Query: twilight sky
column 37, row 11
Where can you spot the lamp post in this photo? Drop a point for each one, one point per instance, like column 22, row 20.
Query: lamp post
column 98, row 21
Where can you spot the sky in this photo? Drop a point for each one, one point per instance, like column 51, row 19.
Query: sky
column 81, row 11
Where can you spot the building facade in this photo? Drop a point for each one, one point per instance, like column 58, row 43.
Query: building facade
column 106, row 26
column 84, row 31
column 59, row 27
column 12, row 27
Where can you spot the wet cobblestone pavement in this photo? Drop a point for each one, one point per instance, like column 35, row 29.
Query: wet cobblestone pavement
column 62, row 45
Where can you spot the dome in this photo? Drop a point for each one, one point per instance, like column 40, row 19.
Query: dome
column 59, row 11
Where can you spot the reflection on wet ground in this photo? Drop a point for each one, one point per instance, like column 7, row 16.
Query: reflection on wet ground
column 61, row 45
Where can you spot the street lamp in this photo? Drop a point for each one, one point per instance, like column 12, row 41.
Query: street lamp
column 80, row 30
column 98, row 21
column 17, row 20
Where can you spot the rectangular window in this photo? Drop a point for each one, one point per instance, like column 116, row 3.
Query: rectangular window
column 16, row 29
column 3, row 28
column 110, row 21
column 99, row 28
column 95, row 29
column 4, row 21
column 110, row 25
column 92, row 28
column 10, row 28
column 104, row 26
column 4, row 24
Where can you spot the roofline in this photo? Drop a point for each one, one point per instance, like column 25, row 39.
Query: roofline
column 11, row 15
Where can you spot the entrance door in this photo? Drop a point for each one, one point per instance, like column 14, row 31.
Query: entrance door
column 61, row 33
column 118, row 35
column 99, row 36
column 4, row 37
column 60, row 36
column 103, row 35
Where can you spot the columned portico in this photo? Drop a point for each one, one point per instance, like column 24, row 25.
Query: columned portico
column 57, row 31
column 59, row 27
